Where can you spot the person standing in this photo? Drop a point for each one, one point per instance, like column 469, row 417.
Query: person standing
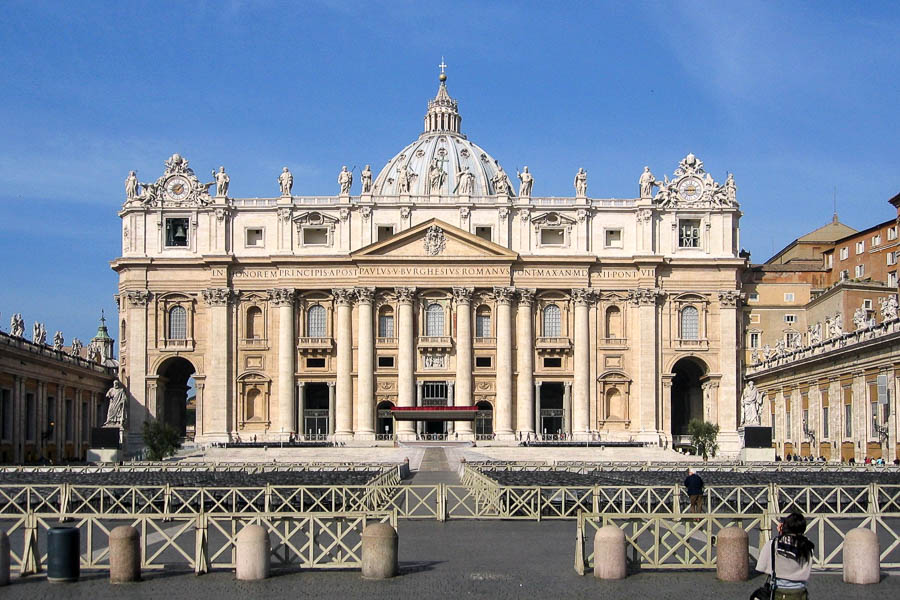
column 694, row 485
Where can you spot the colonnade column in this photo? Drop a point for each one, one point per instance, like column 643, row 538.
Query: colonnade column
column 283, row 300
column 406, row 359
column 301, row 408
column 219, row 409
column 582, row 383
column 136, row 302
column 525, row 402
column 365, row 392
column 451, row 426
column 463, row 391
column 343, row 413
column 567, row 408
column 727, row 399
column 331, row 408
column 537, row 409
column 503, row 400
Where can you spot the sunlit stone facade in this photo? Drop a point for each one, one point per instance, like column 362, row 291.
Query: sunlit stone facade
column 432, row 283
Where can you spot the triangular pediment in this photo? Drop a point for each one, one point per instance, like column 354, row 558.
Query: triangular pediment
column 437, row 240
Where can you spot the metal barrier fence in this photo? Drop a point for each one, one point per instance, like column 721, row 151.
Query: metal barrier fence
column 200, row 542
column 583, row 467
column 187, row 467
column 688, row 542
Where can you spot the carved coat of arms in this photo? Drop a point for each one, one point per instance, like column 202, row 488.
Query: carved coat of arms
column 435, row 242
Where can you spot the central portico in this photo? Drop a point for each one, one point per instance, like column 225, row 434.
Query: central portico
column 436, row 289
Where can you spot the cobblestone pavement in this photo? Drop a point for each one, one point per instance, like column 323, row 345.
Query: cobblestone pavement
column 472, row 559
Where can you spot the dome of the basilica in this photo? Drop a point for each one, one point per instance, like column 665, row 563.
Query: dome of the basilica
column 442, row 161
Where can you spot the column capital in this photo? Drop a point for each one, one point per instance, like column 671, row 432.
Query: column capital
column 365, row 295
column 730, row 298
column 526, row 295
column 138, row 297
column 343, row 296
column 504, row 295
column 300, row 384
column 405, row 295
column 282, row 296
column 330, row 384
column 463, row 295
column 583, row 296
column 645, row 296
column 218, row 296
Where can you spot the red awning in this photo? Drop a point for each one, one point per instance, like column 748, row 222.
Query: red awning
column 434, row 413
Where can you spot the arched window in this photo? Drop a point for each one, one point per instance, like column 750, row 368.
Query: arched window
column 386, row 322
column 434, row 320
column 177, row 323
column 690, row 323
column 552, row 321
column 614, row 322
column 483, row 322
column 254, row 323
column 315, row 321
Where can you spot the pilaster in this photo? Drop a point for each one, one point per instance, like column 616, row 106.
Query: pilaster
column 219, row 407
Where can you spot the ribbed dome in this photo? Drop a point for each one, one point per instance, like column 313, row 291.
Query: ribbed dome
column 442, row 147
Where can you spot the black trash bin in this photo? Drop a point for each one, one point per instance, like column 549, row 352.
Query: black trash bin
column 63, row 554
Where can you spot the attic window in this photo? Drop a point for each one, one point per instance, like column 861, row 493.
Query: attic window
column 384, row 232
column 483, row 231
column 553, row 236
column 315, row 236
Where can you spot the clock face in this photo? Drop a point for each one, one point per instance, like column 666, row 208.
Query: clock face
column 177, row 188
column 690, row 188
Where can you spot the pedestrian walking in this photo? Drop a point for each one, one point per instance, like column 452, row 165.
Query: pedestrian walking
column 694, row 485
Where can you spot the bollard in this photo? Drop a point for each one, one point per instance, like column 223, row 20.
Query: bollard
column 253, row 553
column 124, row 555
column 609, row 553
column 379, row 551
column 861, row 557
column 4, row 559
column 63, row 554
column 733, row 554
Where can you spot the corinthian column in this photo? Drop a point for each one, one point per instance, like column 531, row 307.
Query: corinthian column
column 343, row 409
column 649, row 412
column 582, row 384
column 503, row 410
column 406, row 359
column 365, row 387
column 218, row 412
column 463, row 390
column 525, row 402
column 283, row 300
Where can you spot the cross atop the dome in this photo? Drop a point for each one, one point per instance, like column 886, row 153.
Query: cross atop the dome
column 443, row 66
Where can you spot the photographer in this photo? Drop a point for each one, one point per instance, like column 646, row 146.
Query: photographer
column 793, row 559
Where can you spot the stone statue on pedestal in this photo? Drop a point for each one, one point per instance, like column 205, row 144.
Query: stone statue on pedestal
column 131, row 186
column 117, row 415
column 527, row 181
column 17, row 325
column 345, row 180
column 76, row 347
column 58, row 341
column 501, row 183
column 436, row 176
column 366, row 180
column 286, row 182
column 751, row 405
column 222, row 181
column 860, row 319
column 465, row 182
column 581, row 183
column 888, row 308
column 647, row 182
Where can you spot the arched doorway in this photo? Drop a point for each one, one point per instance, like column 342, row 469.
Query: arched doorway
column 176, row 385
column 384, row 421
column 484, row 421
column 687, row 397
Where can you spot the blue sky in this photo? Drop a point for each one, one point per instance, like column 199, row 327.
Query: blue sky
column 796, row 99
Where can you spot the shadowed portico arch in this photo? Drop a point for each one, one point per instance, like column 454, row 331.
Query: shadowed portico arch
column 687, row 394
column 173, row 387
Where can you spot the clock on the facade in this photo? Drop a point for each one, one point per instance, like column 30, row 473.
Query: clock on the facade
column 690, row 188
column 177, row 188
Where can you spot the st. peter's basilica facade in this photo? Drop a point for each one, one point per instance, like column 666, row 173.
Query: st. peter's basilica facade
column 433, row 284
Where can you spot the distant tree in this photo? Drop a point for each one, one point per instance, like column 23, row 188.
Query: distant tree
column 161, row 440
column 703, row 437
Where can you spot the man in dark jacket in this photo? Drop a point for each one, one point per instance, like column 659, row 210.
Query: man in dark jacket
column 694, row 485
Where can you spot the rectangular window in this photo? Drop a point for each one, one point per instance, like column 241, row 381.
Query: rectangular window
column 553, row 236
column 51, row 414
column 753, row 297
column 85, row 422
column 552, row 363
column 70, row 419
column 484, row 232
column 792, row 339
column 177, row 232
column 845, row 274
column 613, row 238
column 805, row 419
column 867, row 304
column 754, row 340
column 434, row 393
column 845, row 252
column 689, row 233
column 892, row 233
column 860, row 247
column 891, row 258
column 848, row 418
column 825, row 422
column 6, row 416
column 384, row 232
column 876, row 239
column 787, row 424
column 790, row 319
column 315, row 363
column 386, row 362
column 874, row 412
column 829, row 260
column 860, row 271
column 483, row 361
column 483, row 325
column 385, row 325
column 754, row 318
column 30, row 417
column 315, row 236
column 892, row 279
column 255, row 238
column 789, row 296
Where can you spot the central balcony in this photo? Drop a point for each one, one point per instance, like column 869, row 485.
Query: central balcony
column 434, row 342
column 553, row 343
column 315, row 344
